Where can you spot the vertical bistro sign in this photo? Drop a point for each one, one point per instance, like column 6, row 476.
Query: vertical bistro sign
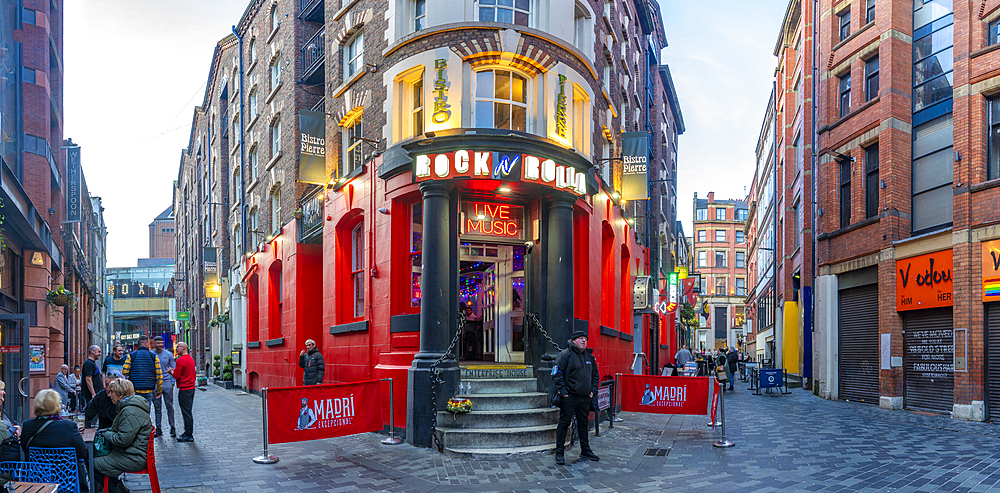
column 312, row 147
column 991, row 270
column 442, row 110
column 211, row 263
column 924, row 281
column 493, row 165
column 634, row 158
column 561, row 108
column 73, row 184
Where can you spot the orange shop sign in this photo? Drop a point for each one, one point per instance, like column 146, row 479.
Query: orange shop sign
column 924, row 281
column 991, row 270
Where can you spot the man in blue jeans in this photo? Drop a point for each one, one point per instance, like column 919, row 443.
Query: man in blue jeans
column 167, row 364
column 142, row 368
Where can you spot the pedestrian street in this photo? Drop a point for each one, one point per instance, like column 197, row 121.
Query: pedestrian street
column 794, row 442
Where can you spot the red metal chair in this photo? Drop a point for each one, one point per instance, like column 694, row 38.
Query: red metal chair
column 154, row 481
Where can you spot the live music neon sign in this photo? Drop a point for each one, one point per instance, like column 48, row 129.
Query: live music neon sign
column 493, row 220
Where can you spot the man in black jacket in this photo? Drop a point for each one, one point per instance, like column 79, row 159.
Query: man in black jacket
column 312, row 365
column 101, row 406
column 576, row 380
column 732, row 364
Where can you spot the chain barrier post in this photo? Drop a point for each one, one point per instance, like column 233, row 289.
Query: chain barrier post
column 618, row 404
column 392, row 439
column 265, row 458
column 436, row 381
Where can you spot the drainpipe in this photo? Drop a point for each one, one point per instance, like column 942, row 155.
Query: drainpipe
column 243, row 182
column 807, row 336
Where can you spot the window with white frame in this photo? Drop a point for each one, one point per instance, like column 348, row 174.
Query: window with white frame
column 419, row 14
column 275, row 137
column 720, row 213
column 253, row 50
column 581, row 27
column 252, row 102
column 276, row 209
column 501, row 100
column 354, row 55
column 720, row 259
column 275, row 20
column 276, row 71
column 702, row 235
column 507, row 11
column 410, row 87
column 252, row 163
column 358, row 268
column 581, row 120
column 252, row 218
column 703, row 258
column 354, row 148
column 720, row 235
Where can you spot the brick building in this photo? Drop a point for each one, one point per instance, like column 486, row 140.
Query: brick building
column 461, row 152
column 719, row 257
column 50, row 233
column 905, row 311
column 761, row 228
column 161, row 237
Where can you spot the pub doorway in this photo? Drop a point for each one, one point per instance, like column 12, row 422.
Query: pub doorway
column 491, row 295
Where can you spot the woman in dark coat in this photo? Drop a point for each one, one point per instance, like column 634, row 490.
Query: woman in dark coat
column 101, row 406
column 128, row 437
column 57, row 432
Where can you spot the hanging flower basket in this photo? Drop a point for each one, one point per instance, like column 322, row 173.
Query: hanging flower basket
column 60, row 297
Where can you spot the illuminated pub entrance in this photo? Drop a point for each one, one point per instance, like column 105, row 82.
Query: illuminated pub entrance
column 491, row 282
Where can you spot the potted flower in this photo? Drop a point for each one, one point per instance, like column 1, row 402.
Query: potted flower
column 60, row 297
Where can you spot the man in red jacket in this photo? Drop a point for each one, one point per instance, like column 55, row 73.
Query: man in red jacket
column 183, row 373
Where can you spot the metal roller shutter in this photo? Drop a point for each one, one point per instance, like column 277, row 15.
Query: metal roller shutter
column 858, row 353
column 993, row 360
column 928, row 360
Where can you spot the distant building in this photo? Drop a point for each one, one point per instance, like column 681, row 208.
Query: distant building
column 140, row 298
column 161, row 236
column 761, row 230
column 719, row 253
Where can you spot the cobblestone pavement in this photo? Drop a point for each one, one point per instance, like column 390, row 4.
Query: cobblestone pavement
column 794, row 442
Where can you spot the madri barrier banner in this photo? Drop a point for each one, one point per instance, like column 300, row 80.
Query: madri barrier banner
column 314, row 412
column 664, row 395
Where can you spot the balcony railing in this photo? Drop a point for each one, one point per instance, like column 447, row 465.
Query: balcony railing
column 313, row 58
column 311, row 10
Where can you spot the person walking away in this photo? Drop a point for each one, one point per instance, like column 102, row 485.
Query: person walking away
column 683, row 357
column 184, row 374
column 142, row 368
column 732, row 366
column 92, row 382
column 311, row 362
column 101, row 406
column 62, row 384
column 167, row 364
column 127, row 437
column 576, row 379
column 48, row 430
column 117, row 358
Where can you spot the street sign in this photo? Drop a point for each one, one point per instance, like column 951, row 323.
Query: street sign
column 604, row 398
column 10, row 349
column 183, row 316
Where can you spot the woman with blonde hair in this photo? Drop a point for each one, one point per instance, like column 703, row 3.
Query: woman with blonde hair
column 128, row 436
column 48, row 430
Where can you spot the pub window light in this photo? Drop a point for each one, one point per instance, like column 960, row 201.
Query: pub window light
column 36, row 258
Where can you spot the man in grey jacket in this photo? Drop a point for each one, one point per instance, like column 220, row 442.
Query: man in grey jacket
column 167, row 365
column 63, row 386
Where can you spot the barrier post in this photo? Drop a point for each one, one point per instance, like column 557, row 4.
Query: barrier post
column 265, row 458
column 391, row 439
column 616, row 402
column 723, row 443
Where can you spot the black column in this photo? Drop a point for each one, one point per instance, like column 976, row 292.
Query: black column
column 437, row 305
column 558, row 318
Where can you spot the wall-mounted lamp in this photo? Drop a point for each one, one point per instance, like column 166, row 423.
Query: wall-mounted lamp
column 36, row 259
column 615, row 195
column 958, row 156
column 882, row 185
column 383, row 210
column 372, row 67
column 504, row 188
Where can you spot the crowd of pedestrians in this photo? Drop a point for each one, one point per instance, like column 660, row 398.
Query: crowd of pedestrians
column 117, row 395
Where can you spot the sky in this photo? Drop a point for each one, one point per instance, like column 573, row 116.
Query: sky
column 135, row 70
column 721, row 58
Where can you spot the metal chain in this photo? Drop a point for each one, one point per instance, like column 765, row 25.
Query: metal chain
column 534, row 320
column 437, row 381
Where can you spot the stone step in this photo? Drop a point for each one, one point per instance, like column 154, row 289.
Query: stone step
column 498, row 419
column 498, row 438
column 500, row 453
column 507, row 401
column 499, row 372
column 498, row 385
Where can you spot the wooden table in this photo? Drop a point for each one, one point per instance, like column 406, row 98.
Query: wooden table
column 33, row 487
column 88, row 438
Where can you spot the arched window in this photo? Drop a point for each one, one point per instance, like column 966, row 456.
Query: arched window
column 274, row 300
column 607, row 276
column 253, row 309
column 626, row 297
column 501, row 100
column 350, row 248
column 276, row 71
column 354, row 55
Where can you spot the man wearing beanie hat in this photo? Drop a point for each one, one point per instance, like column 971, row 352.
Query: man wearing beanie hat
column 576, row 379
